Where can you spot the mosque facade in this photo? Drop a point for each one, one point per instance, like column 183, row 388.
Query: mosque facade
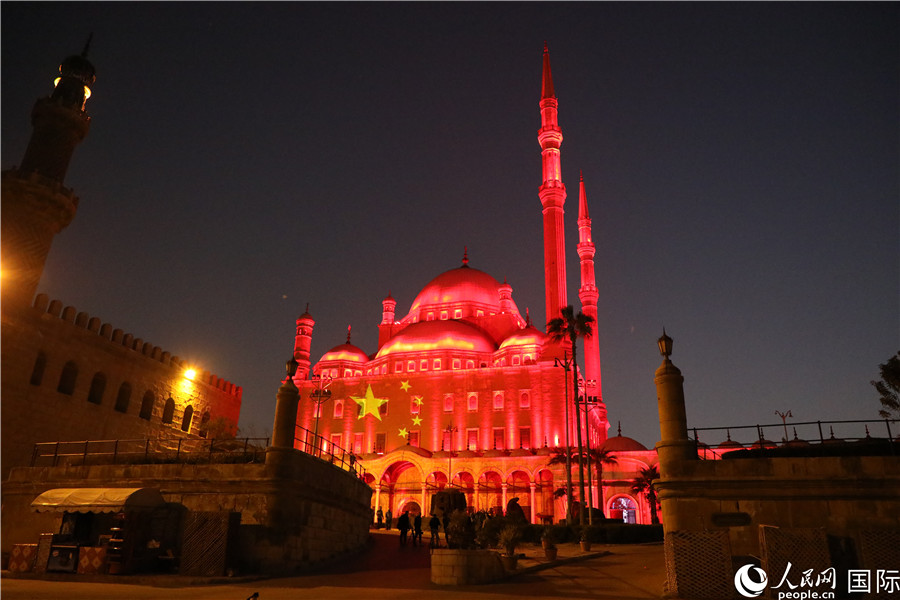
column 464, row 391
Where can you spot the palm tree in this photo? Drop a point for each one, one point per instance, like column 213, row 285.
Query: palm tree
column 643, row 484
column 601, row 456
column 569, row 326
column 564, row 456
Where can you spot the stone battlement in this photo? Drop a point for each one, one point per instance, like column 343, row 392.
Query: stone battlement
column 83, row 320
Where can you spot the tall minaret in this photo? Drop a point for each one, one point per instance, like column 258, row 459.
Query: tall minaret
column 553, row 197
column 35, row 205
column 302, row 344
column 588, row 295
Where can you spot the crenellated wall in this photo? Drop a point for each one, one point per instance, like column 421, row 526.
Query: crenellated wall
column 67, row 376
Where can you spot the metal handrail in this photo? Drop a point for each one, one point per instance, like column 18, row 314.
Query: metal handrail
column 148, row 450
column 321, row 448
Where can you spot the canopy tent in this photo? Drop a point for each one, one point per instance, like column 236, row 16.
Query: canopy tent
column 97, row 500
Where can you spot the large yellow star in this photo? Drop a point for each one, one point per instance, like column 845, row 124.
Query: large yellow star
column 404, row 385
column 369, row 404
column 404, row 433
column 417, row 420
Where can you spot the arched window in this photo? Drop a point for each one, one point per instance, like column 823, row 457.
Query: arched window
column 147, row 405
column 67, row 379
column 98, row 386
column 123, row 398
column 186, row 420
column 37, row 373
column 168, row 411
column 338, row 409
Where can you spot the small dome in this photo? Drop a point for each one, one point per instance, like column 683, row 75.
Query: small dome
column 430, row 336
column 621, row 443
column 528, row 336
column 346, row 352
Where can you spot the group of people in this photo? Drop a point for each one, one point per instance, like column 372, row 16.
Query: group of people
column 405, row 525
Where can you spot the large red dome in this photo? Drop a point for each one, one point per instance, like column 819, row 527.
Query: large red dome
column 463, row 285
column 430, row 336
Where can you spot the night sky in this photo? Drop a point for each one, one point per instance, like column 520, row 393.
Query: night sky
column 741, row 164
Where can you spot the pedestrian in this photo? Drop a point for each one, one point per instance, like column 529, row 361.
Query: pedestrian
column 434, row 525
column 417, row 529
column 403, row 526
column 379, row 516
column 388, row 517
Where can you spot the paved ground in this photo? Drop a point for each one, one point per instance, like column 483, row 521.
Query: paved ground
column 388, row 572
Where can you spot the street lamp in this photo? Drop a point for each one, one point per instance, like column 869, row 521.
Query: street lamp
column 784, row 417
column 319, row 396
column 566, row 364
column 451, row 429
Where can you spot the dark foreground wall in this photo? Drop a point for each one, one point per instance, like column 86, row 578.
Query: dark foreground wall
column 295, row 510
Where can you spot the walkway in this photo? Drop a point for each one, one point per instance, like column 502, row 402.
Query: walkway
column 388, row 571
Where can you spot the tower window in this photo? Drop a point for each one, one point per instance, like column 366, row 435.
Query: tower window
column 123, row 398
column 338, row 409
column 67, row 378
column 147, row 406
column 186, row 419
column 498, row 401
column 168, row 411
column 472, row 403
column 98, row 386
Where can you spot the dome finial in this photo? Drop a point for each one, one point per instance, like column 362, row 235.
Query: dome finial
column 620, row 428
column 527, row 318
column 348, row 334
column 465, row 256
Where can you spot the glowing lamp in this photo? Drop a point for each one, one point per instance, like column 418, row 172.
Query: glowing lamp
column 190, row 374
column 665, row 344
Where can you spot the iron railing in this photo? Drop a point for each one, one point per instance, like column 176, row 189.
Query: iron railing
column 806, row 435
column 322, row 448
column 150, row 451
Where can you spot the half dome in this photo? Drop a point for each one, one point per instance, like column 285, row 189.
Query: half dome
column 620, row 443
column 345, row 352
column 529, row 336
column 438, row 336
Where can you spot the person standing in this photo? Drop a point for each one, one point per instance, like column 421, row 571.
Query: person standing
column 379, row 516
column 403, row 526
column 434, row 525
column 417, row 529
column 388, row 517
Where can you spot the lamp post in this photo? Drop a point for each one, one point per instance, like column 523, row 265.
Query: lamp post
column 451, row 429
column 319, row 396
column 566, row 363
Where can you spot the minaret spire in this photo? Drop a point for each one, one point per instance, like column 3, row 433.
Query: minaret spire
column 589, row 295
column 553, row 196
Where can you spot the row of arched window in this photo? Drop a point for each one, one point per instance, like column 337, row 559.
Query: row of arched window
column 96, row 393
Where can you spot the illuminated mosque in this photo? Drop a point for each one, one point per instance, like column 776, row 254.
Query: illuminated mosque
column 465, row 391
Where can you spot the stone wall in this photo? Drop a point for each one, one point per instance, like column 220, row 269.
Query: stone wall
column 296, row 510
column 36, row 410
column 465, row 567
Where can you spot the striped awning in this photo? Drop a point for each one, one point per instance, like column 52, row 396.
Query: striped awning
column 97, row 500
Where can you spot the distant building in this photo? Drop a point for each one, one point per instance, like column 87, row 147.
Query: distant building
column 67, row 376
column 464, row 390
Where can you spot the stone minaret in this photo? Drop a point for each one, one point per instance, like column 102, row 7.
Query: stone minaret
column 35, row 205
column 589, row 295
column 386, row 327
column 303, row 343
column 553, row 197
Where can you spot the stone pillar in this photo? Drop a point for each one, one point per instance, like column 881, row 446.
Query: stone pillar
column 378, row 497
column 533, row 511
column 674, row 445
column 285, row 427
column 503, row 505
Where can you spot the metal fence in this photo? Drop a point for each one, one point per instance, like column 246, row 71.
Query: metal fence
column 150, row 451
column 809, row 437
column 316, row 445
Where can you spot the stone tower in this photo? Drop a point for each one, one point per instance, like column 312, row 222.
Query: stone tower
column 303, row 343
column 553, row 196
column 35, row 204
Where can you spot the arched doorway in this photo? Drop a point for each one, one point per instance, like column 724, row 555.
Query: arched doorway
column 465, row 482
column 624, row 508
column 518, row 485
column 412, row 506
column 543, row 497
column 490, row 493
column 401, row 480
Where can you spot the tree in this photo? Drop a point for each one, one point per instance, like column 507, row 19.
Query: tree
column 889, row 387
column 569, row 327
column 599, row 457
column 643, row 484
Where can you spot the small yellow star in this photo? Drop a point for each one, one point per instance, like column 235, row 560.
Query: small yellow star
column 417, row 420
column 418, row 400
column 403, row 432
column 404, row 385
column 369, row 404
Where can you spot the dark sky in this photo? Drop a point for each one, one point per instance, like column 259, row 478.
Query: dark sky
column 741, row 164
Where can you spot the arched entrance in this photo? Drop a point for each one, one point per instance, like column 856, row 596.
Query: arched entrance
column 518, row 485
column 413, row 508
column 543, row 497
column 490, row 493
column 624, row 508
column 401, row 480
